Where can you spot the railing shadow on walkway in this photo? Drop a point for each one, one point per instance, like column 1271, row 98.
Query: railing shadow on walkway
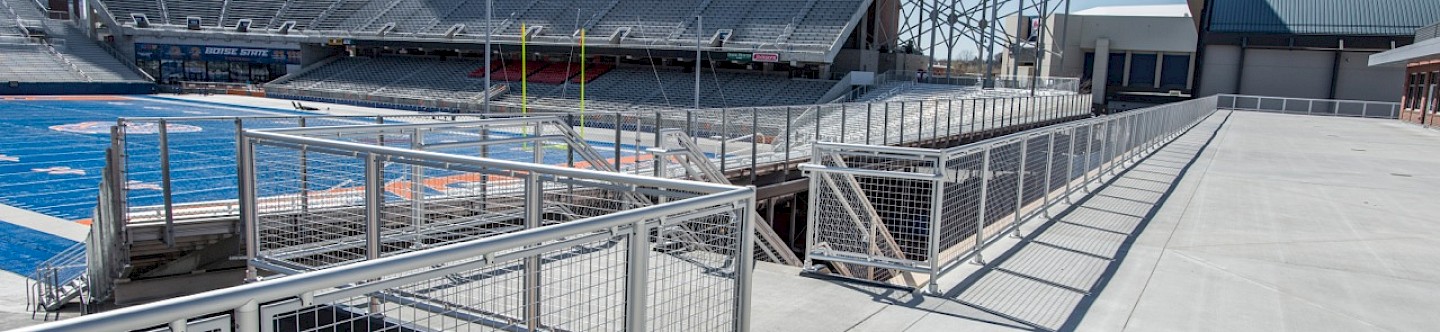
column 1049, row 280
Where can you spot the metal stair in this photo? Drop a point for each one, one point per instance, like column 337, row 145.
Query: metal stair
column 57, row 281
column 677, row 157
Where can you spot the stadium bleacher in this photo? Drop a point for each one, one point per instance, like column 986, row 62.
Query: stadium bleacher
column 73, row 58
column 88, row 56
column 906, row 91
column 592, row 72
column 612, row 88
column 33, row 63
column 512, row 70
column 556, row 73
column 756, row 24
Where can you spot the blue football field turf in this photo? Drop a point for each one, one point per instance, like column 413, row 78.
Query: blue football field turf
column 22, row 248
column 57, row 173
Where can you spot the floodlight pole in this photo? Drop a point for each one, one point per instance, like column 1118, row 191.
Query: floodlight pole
column 700, row 29
column 488, row 70
column 990, row 43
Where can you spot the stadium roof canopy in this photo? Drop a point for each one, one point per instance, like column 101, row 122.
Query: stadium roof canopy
column 1322, row 17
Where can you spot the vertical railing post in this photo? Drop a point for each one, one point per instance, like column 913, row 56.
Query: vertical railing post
column 984, row 199
column 1049, row 168
column 949, row 119
column 844, row 125
column 534, row 191
column 1089, row 151
column 374, row 202
column 869, row 121
column 1107, row 147
column 1070, row 164
column 937, row 220
column 637, row 277
column 245, row 182
column 811, row 215
column 619, row 128
column 417, row 191
column 724, row 138
column 920, row 124
column 789, row 140
column 165, row 189
column 818, row 110
column 304, row 175
column 984, row 117
column 755, row 143
column 655, row 129
column 247, row 317
column 1020, row 187
column 746, row 262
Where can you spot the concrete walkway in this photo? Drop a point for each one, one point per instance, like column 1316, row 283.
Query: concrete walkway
column 1291, row 223
column 1249, row 222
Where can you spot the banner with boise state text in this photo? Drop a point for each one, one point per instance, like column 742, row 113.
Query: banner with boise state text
column 144, row 51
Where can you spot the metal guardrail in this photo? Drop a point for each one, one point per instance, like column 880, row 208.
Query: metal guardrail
column 1068, row 84
column 886, row 213
column 620, row 266
column 167, row 164
column 310, row 225
column 163, row 172
column 1324, row 107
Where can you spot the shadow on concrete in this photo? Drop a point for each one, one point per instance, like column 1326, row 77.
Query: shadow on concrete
column 1050, row 280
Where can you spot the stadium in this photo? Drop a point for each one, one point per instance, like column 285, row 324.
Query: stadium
column 563, row 165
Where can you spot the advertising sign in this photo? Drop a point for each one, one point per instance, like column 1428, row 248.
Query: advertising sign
column 765, row 57
column 145, row 51
column 738, row 57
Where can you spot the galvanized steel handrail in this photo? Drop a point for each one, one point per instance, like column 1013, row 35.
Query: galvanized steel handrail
column 250, row 296
column 1310, row 106
column 909, row 210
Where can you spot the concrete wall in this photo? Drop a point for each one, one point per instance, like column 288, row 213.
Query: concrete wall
column 1219, row 71
column 853, row 59
column 1286, row 73
column 1359, row 81
column 1298, row 74
column 1126, row 33
column 312, row 53
column 75, row 88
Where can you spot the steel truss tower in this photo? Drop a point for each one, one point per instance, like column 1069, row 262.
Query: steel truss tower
column 936, row 28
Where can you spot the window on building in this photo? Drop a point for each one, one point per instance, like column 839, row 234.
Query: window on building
column 1089, row 71
column 1434, row 88
column 1416, row 82
column 1115, row 75
column 1409, row 99
column 1142, row 70
column 1175, row 71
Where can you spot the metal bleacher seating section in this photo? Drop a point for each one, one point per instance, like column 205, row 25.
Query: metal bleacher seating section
column 758, row 24
column 905, row 91
column 619, row 88
column 33, row 63
column 65, row 55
